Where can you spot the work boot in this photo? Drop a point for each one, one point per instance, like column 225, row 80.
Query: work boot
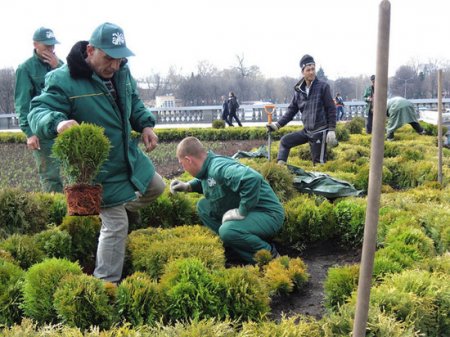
column 281, row 162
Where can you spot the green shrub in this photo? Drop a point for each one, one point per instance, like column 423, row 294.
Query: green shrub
column 342, row 133
column 11, row 278
column 54, row 243
column 295, row 326
column 139, row 300
column 23, row 250
column 400, row 253
column 54, row 204
column 243, row 293
column 411, row 236
column 384, row 265
column 279, row 178
column 82, row 301
column 41, row 281
column 218, row 124
column 191, row 291
column 84, row 231
column 284, row 275
column 339, row 285
column 81, row 150
column 355, row 125
column 149, row 250
column 350, row 219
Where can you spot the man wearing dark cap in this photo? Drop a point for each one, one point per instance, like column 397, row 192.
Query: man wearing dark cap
column 368, row 98
column 312, row 97
column 30, row 78
column 96, row 87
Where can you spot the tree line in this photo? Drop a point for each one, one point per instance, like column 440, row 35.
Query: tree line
column 207, row 84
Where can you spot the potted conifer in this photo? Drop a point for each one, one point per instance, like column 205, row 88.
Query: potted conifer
column 82, row 150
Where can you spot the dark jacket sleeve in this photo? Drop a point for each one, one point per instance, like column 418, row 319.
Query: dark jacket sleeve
column 292, row 110
column 24, row 92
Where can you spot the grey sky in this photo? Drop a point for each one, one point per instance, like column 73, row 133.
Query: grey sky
column 341, row 35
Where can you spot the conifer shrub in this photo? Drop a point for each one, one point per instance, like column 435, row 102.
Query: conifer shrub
column 149, row 250
column 435, row 224
column 218, row 124
column 350, row 219
column 11, row 278
column 191, row 291
column 417, row 297
column 283, row 275
column 82, row 301
column 308, row 219
column 342, row 133
column 339, row 285
column 262, row 257
column 84, row 232
column 355, row 125
column 41, row 282
column 23, row 250
column 53, row 204
column 400, row 253
column 243, row 293
column 355, row 152
column 294, row 326
column 279, row 178
column 437, row 264
column 139, row 300
column 411, row 236
column 54, row 243
column 169, row 211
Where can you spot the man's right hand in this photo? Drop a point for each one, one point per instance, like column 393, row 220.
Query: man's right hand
column 179, row 186
column 33, row 143
column 64, row 125
column 272, row 127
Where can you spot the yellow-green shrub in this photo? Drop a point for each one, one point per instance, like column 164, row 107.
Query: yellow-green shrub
column 295, row 326
column 149, row 250
column 23, row 250
column 41, row 281
column 139, row 300
column 411, row 236
column 279, row 178
column 11, row 278
column 339, row 285
column 350, row 219
column 82, row 301
column 55, row 243
column 355, row 125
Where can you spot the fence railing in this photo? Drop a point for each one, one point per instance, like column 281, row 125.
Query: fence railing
column 247, row 113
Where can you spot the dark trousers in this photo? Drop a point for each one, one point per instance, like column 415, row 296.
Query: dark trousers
column 225, row 115
column 233, row 115
column 339, row 112
column 369, row 123
column 416, row 126
column 317, row 145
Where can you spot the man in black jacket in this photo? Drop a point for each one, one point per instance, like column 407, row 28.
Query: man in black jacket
column 312, row 97
column 233, row 105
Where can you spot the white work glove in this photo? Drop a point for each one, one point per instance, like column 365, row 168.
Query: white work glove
column 178, row 186
column 232, row 214
column 272, row 126
column 331, row 138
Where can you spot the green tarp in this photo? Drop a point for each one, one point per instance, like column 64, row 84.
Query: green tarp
column 310, row 182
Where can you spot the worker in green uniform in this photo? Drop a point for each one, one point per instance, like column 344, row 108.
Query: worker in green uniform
column 400, row 111
column 239, row 205
column 30, row 79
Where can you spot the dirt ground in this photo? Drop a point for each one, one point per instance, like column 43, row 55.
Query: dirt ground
column 308, row 301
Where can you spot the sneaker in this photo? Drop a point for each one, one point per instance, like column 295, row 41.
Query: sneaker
column 281, row 162
column 390, row 139
column 274, row 251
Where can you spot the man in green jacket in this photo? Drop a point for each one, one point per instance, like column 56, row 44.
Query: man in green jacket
column 30, row 77
column 239, row 205
column 96, row 87
column 369, row 94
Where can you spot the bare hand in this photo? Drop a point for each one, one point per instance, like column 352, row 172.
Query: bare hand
column 33, row 143
column 64, row 125
column 150, row 139
column 50, row 58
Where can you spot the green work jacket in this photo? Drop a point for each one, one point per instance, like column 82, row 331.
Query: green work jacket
column 227, row 184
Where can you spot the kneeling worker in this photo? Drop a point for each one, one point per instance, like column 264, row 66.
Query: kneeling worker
column 400, row 111
column 239, row 205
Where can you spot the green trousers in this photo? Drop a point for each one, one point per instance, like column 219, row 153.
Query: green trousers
column 48, row 168
column 246, row 236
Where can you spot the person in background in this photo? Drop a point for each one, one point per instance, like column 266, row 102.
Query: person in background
column 239, row 205
column 233, row 105
column 30, row 79
column 225, row 111
column 400, row 111
column 312, row 97
column 339, row 101
column 96, row 87
column 368, row 98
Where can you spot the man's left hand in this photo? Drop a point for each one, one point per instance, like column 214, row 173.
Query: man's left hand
column 50, row 58
column 150, row 139
column 331, row 138
column 232, row 214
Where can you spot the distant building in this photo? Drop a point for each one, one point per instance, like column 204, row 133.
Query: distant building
column 165, row 101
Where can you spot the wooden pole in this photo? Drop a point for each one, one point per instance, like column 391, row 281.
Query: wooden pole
column 440, row 126
column 375, row 173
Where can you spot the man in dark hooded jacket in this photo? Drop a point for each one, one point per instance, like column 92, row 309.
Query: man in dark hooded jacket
column 312, row 97
column 96, row 87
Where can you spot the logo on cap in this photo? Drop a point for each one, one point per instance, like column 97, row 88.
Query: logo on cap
column 49, row 34
column 118, row 39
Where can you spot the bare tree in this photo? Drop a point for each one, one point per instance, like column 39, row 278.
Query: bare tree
column 7, row 85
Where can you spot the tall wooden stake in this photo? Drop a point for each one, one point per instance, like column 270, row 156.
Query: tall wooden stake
column 440, row 126
column 375, row 174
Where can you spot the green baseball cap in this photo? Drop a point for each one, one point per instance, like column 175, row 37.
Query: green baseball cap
column 111, row 39
column 45, row 36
